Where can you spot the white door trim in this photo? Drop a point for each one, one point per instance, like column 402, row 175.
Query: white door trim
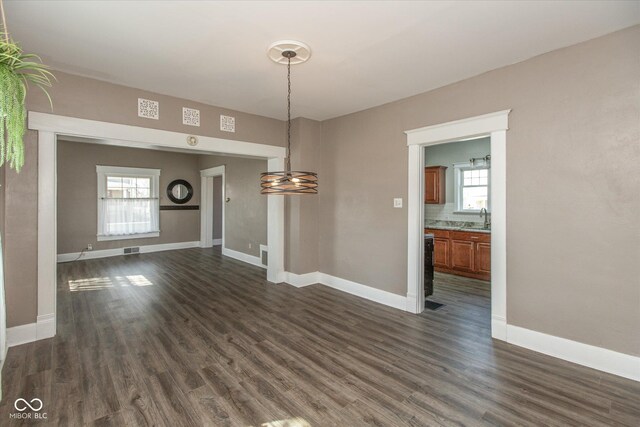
column 50, row 125
column 495, row 125
column 206, row 205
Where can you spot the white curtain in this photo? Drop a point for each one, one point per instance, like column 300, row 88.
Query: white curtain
column 129, row 216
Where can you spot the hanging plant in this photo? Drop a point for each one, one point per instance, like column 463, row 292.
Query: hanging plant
column 17, row 70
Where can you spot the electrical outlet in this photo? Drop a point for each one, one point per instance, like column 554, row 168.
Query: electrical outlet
column 89, row 247
column 249, row 245
column 397, row 203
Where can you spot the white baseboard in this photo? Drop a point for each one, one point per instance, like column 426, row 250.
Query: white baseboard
column 363, row 291
column 602, row 359
column 45, row 327
column 241, row 256
column 620, row 364
column 105, row 253
column 301, row 280
column 217, row 242
column 353, row 288
column 21, row 334
column 499, row 328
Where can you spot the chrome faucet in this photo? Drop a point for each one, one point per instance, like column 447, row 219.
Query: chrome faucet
column 487, row 224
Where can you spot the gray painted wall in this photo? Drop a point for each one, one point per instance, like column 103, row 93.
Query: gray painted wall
column 573, row 149
column 77, row 192
column 246, row 212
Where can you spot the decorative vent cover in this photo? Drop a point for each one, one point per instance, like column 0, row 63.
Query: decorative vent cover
column 148, row 109
column 190, row 116
column 227, row 123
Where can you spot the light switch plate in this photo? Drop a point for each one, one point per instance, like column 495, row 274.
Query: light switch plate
column 397, row 203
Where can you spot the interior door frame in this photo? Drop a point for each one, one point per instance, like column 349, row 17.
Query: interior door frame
column 495, row 125
column 49, row 126
column 206, row 205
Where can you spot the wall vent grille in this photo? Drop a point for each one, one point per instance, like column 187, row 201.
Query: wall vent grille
column 148, row 109
column 227, row 123
column 264, row 255
column 190, row 116
column 132, row 250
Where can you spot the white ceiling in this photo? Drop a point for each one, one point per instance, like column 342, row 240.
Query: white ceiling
column 363, row 53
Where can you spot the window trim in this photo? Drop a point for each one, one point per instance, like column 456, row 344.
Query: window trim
column 458, row 169
column 154, row 192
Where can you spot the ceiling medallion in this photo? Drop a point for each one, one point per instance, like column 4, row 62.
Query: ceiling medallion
column 289, row 182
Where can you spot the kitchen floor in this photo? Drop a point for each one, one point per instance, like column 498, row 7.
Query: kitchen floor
column 469, row 298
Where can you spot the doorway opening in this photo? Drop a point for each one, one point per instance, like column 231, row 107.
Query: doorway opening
column 49, row 126
column 457, row 233
column 212, row 213
column 493, row 126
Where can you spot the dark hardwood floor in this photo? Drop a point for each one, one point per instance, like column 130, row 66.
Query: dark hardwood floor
column 193, row 338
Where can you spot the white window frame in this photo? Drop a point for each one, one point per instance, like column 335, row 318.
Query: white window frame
column 103, row 172
column 458, row 169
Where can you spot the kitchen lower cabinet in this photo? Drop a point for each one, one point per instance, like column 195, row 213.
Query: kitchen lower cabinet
column 441, row 249
column 483, row 258
column 464, row 253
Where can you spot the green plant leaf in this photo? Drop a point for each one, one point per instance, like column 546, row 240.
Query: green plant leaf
column 17, row 69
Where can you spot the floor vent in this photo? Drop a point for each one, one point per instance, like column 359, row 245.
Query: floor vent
column 264, row 255
column 133, row 250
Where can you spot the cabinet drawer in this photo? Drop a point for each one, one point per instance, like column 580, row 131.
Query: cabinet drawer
column 470, row 236
column 443, row 234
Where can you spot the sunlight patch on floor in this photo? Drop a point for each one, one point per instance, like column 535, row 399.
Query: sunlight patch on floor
column 139, row 280
column 93, row 284
column 98, row 283
column 290, row 422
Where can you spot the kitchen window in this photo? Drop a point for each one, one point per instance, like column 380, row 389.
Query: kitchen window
column 472, row 187
column 128, row 203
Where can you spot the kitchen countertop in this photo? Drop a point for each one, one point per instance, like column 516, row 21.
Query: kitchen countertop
column 476, row 227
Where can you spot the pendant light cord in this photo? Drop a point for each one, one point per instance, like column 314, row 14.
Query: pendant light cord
column 4, row 23
column 288, row 114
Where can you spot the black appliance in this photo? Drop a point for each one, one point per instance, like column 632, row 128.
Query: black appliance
column 428, row 264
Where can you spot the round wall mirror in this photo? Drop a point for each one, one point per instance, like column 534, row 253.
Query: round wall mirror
column 179, row 191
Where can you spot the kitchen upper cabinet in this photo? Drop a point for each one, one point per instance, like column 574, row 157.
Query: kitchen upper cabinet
column 435, row 185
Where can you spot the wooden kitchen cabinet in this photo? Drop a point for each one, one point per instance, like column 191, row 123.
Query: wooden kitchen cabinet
column 483, row 258
column 441, row 253
column 435, row 185
column 464, row 253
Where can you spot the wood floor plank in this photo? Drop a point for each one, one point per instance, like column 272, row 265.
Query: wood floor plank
column 191, row 338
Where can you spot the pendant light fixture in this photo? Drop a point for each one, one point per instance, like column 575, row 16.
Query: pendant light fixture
column 289, row 182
